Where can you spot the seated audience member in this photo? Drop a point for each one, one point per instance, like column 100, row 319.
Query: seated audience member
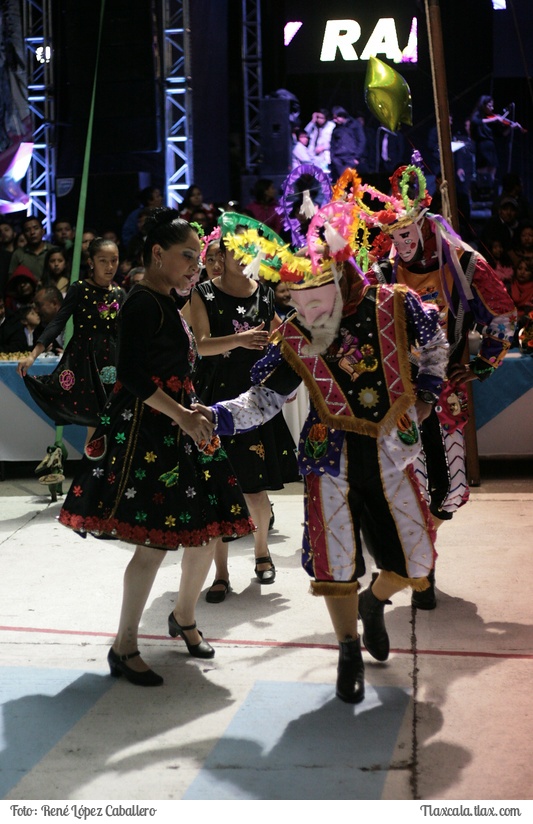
column 202, row 218
column 301, row 153
column 263, row 205
column 524, row 241
column 149, row 198
column 193, row 200
column 48, row 302
column 512, row 187
column 521, row 290
column 86, row 239
column 282, row 300
column 63, row 233
column 134, row 251
column 502, row 227
column 56, row 271
column 20, row 289
column 500, row 262
column 134, row 276
column 33, row 253
column 18, row 330
column 7, row 247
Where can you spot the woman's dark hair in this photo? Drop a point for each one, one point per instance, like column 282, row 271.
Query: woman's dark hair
column 482, row 102
column 165, row 227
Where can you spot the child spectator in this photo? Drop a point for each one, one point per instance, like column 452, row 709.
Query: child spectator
column 522, row 292
column 501, row 263
column 56, row 271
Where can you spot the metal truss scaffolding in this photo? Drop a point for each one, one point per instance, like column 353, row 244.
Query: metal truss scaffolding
column 40, row 178
column 253, row 81
column 178, row 99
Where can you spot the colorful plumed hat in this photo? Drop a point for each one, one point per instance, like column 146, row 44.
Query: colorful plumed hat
column 408, row 204
column 303, row 182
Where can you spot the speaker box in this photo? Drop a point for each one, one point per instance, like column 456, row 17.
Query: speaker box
column 275, row 137
column 126, row 117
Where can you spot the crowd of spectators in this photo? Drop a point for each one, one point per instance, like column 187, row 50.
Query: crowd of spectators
column 332, row 141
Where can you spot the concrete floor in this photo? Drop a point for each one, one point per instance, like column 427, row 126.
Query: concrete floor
column 449, row 716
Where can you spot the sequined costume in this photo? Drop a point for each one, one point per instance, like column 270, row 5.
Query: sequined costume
column 265, row 458
column 441, row 467
column 360, row 439
column 77, row 390
column 142, row 479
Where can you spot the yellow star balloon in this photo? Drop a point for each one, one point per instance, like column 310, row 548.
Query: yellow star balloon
column 387, row 95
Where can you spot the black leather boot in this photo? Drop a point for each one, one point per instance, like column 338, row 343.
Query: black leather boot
column 375, row 636
column 350, row 672
column 426, row 599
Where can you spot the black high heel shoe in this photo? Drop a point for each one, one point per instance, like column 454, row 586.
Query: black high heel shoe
column 265, row 576
column 118, row 667
column 201, row 650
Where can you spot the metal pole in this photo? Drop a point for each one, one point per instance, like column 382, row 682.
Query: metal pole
column 442, row 113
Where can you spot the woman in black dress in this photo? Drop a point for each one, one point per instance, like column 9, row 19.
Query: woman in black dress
column 77, row 390
column 232, row 316
column 144, row 479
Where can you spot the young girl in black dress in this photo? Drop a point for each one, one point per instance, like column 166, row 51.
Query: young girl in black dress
column 77, row 390
column 143, row 479
column 232, row 316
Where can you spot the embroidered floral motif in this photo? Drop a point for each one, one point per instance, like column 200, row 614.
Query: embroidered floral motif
column 174, row 384
column 169, row 440
column 190, row 492
column 127, row 414
column 141, row 516
column 185, row 517
column 158, row 498
column 150, row 457
column 108, row 374
column 316, row 443
column 120, row 437
column 105, row 420
column 170, row 520
column 67, row 379
column 130, row 492
column 108, row 311
column 140, row 474
column 259, row 449
column 407, row 430
column 77, row 490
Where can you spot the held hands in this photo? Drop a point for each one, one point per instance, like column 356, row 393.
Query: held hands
column 195, row 424
column 256, row 338
column 204, row 410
